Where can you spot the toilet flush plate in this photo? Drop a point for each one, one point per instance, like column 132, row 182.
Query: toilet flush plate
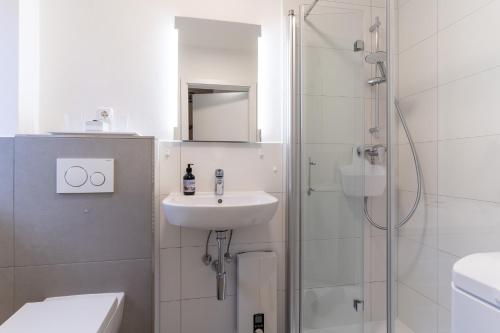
column 85, row 175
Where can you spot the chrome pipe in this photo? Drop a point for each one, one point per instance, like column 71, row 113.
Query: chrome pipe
column 220, row 266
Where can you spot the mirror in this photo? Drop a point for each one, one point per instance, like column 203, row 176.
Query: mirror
column 218, row 65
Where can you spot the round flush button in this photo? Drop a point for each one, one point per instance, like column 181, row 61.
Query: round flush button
column 76, row 176
column 97, row 179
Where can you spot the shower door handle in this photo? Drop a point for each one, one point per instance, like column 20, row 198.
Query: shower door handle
column 310, row 164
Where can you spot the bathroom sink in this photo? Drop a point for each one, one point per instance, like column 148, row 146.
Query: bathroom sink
column 208, row 211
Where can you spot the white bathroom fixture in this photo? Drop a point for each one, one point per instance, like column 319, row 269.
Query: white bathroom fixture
column 209, row 211
column 220, row 213
column 85, row 175
column 94, row 313
column 257, row 292
column 476, row 294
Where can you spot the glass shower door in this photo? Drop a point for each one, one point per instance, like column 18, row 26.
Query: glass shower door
column 331, row 199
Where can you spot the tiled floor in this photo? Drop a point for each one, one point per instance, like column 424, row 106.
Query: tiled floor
column 370, row 327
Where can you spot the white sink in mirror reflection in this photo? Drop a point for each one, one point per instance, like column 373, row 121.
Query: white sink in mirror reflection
column 208, row 211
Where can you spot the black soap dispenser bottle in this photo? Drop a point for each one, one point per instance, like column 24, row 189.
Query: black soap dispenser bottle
column 189, row 181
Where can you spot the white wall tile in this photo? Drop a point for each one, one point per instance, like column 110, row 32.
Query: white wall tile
column 468, row 226
column 170, row 320
column 417, row 21
column 418, row 67
column 320, row 30
column 343, row 73
column 451, row 11
column 423, row 225
column 195, row 237
column 427, row 155
column 446, row 263
column 282, row 308
column 379, row 301
column 170, row 235
column 444, row 325
column 417, row 267
column 466, row 48
column 208, row 315
column 312, row 62
column 468, row 168
column 169, row 161
column 416, row 311
column 199, row 280
column 367, row 250
column 377, row 208
column 331, row 215
column 461, row 114
column 368, row 301
column 322, row 114
column 332, row 262
column 420, row 112
column 378, row 3
column 244, row 167
column 170, row 277
column 325, row 175
column 469, row 107
column 378, row 258
column 330, row 307
column 401, row 3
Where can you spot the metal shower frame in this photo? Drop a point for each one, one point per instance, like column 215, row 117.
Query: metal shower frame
column 293, row 130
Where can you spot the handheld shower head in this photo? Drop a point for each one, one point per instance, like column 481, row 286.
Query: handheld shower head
column 376, row 57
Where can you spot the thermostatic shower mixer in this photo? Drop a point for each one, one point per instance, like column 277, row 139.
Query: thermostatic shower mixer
column 372, row 152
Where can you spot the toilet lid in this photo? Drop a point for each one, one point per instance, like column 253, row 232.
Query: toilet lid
column 479, row 275
column 76, row 314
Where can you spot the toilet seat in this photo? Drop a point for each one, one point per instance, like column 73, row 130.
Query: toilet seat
column 475, row 299
column 96, row 313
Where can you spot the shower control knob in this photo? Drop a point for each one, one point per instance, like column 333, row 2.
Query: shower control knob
column 259, row 330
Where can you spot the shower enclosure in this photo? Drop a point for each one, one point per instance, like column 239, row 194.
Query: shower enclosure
column 341, row 169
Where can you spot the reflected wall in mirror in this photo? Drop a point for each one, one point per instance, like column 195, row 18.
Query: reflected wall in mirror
column 218, row 65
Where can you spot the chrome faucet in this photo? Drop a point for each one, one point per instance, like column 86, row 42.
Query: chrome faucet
column 219, row 182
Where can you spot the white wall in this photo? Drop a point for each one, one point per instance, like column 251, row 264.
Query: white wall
column 8, row 66
column 123, row 54
column 449, row 81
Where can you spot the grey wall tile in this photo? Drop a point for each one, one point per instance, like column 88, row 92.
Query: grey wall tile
column 134, row 277
column 6, row 293
column 6, row 202
column 54, row 228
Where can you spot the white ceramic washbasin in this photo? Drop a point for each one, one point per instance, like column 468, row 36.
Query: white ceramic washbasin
column 232, row 210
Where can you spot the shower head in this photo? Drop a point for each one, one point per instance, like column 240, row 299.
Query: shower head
column 376, row 57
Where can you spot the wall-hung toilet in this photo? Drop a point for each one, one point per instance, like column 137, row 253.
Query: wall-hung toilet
column 476, row 294
column 94, row 313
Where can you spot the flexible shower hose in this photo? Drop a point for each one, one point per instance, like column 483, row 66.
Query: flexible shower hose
column 417, row 170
